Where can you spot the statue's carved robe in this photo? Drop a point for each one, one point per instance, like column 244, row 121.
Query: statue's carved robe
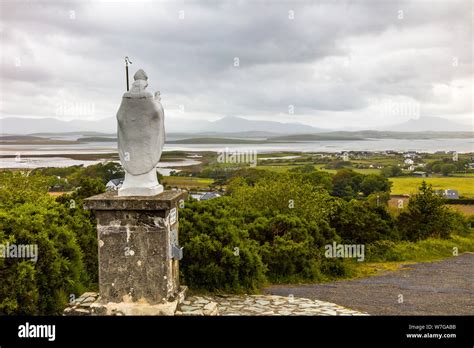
column 141, row 131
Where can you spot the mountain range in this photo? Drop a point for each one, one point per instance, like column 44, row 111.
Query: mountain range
column 17, row 125
column 433, row 124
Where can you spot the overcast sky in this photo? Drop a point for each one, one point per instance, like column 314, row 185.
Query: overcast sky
column 328, row 64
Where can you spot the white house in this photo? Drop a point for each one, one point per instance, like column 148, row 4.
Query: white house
column 409, row 161
column 452, row 194
column 204, row 196
column 209, row 195
column 410, row 155
column 419, row 173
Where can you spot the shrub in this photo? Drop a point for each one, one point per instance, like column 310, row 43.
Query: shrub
column 427, row 216
column 292, row 247
column 218, row 254
column 356, row 222
column 30, row 216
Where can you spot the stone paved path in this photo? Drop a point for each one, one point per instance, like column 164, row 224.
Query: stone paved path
column 225, row 305
column 435, row 288
column 259, row 305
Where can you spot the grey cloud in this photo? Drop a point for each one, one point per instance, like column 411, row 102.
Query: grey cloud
column 190, row 60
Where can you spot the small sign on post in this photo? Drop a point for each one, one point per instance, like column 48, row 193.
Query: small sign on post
column 173, row 216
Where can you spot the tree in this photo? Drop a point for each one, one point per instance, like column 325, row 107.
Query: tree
column 306, row 169
column 89, row 187
column 391, row 171
column 374, row 183
column 285, row 193
column 447, row 169
column 338, row 164
column 427, row 216
column 103, row 172
column 436, row 168
column 316, row 177
column 346, row 184
column 320, row 178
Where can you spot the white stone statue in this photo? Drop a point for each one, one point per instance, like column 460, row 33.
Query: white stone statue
column 141, row 136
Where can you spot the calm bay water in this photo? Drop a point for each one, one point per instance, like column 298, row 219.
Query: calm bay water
column 401, row 145
column 53, row 153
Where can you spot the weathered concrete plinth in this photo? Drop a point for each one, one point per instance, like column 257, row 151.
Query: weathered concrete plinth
column 138, row 253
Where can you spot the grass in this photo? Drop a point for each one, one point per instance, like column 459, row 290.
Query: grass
column 399, row 254
column 368, row 269
column 183, row 182
column 467, row 210
column 277, row 168
column 463, row 175
column 394, row 255
column 357, row 170
column 283, row 168
column 406, row 253
column 427, row 250
column 409, row 185
column 362, row 171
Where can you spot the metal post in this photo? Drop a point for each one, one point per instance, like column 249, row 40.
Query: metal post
column 127, row 60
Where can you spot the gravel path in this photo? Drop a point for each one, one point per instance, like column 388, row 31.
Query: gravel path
column 437, row 288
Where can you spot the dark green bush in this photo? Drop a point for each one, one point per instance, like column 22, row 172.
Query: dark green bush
column 292, row 248
column 427, row 216
column 28, row 215
column 218, row 254
column 357, row 222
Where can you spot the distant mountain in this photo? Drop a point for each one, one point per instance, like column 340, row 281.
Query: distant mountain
column 373, row 134
column 17, row 125
column 317, row 137
column 232, row 124
column 20, row 125
column 433, row 124
column 227, row 127
column 241, row 135
column 237, row 124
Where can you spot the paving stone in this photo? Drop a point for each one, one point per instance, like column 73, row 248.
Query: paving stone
column 308, row 305
column 197, row 313
column 188, row 308
column 210, row 308
column 234, row 305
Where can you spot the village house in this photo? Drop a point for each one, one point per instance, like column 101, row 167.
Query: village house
column 114, row 184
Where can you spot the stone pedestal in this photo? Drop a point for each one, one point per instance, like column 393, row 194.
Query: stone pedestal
column 138, row 249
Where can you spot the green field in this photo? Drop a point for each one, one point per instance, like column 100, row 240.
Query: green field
column 283, row 168
column 191, row 182
column 362, row 171
column 409, row 185
column 463, row 175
